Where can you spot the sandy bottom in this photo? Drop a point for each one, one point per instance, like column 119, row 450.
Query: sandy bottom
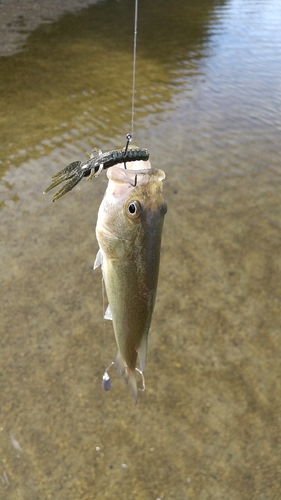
column 208, row 424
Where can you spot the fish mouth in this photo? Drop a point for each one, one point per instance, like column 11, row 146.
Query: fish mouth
column 133, row 176
column 105, row 232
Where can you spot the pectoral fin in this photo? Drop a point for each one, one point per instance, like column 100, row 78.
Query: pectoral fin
column 98, row 261
column 108, row 313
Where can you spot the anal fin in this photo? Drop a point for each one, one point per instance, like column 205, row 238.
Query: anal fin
column 130, row 377
column 142, row 350
column 119, row 364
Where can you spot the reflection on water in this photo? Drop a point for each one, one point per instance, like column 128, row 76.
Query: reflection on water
column 208, row 102
column 74, row 72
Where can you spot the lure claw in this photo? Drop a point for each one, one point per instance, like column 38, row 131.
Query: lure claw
column 67, row 187
column 73, row 172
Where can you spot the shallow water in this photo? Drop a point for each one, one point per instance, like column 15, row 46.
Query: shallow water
column 208, row 109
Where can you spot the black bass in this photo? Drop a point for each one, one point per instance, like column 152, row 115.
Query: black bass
column 129, row 230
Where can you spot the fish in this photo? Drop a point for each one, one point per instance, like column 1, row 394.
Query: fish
column 129, row 230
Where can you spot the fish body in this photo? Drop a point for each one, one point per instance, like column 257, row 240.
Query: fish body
column 129, row 230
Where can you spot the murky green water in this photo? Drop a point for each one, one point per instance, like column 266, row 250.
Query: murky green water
column 208, row 109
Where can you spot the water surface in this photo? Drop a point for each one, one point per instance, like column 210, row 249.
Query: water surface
column 208, row 109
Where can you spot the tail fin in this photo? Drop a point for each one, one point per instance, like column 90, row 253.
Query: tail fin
column 130, row 375
column 119, row 363
column 131, row 381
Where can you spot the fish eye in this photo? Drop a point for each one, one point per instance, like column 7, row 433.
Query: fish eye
column 134, row 209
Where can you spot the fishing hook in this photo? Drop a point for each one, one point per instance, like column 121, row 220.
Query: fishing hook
column 143, row 381
column 129, row 138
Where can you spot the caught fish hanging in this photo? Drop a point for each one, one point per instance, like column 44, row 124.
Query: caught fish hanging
column 129, row 230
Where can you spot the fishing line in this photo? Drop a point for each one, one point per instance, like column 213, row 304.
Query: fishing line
column 106, row 385
column 103, row 314
column 129, row 136
column 134, row 65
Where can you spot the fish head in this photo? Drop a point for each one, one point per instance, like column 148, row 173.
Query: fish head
column 133, row 206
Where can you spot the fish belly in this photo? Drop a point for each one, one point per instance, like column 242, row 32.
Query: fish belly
column 131, row 302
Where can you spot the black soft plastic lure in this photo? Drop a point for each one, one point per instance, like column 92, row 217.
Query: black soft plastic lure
column 97, row 162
